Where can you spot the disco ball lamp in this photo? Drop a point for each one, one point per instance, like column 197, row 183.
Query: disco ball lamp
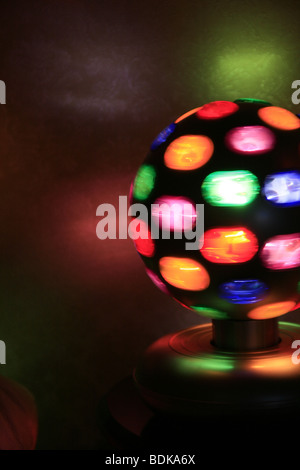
column 241, row 161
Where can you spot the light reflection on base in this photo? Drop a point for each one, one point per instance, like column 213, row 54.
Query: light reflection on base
column 185, row 374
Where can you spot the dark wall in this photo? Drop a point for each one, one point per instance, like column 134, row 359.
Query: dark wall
column 89, row 85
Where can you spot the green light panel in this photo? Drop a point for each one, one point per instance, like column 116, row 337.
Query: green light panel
column 210, row 312
column 253, row 100
column 230, row 188
column 144, row 182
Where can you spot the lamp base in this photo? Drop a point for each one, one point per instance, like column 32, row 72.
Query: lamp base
column 184, row 374
column 126, row 422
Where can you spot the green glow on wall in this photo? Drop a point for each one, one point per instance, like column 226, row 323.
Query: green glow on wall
column 246, row 69
column 240, row 49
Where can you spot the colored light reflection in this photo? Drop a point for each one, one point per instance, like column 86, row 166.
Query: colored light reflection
column 184, row 273
column 273, row 366
column 130, row 196
column 279, row 118
column 163, row 135
column 174, row 213
column 250, row 140
column 207, row 363
column 282, row 252
column 217, row 110
column 230, row 188
column 296, row 306
column 188, row 152
column 283, row 188
column 185, row 115
column 144, row 182
column 229, row 245
column 245, row 291
column 271, row 310
column 252, row 100
column 158, row 282
column 143, row 244
column 210, row 312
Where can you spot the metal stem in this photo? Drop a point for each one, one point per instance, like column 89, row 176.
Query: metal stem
column 249, row 335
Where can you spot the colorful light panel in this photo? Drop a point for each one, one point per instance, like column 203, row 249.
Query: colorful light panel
column 271, row 310
column 296, row 306
column 188, row 152
column 250, row 140
column 252, row 100
column 229, row 245
column 174, row 213
column 184, row 273
column 158, row 282
column 279, row 118
column 245, row 291
column 282, row 252
column 230, row 188
column 143, row 244
column 210, row 312
column 163, row 135
column 144, row 182
column 130, row 196
column 185, row 115
column 217, row 110
column 283, row 188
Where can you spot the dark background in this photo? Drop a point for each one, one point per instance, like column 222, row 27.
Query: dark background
column 89, row 85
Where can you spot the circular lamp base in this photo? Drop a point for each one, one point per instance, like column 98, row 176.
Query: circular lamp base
column 184, row 374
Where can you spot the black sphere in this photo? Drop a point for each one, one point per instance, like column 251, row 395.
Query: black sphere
column 241, row 161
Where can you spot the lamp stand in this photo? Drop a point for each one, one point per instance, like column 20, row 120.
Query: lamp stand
column 231, row 366
column 210, row 386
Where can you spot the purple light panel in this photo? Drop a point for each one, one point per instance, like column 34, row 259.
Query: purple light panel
column 174, row 213
column 282, row 252
column 250, row 140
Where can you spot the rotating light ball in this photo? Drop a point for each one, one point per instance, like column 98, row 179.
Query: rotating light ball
column 241, row 161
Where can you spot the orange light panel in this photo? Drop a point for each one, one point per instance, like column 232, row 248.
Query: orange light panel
column 229, row 245
column 185, row 115
column 271, row 310
column 279, row 117
column 217, row 110
column 184, row 273
column 188, row 152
